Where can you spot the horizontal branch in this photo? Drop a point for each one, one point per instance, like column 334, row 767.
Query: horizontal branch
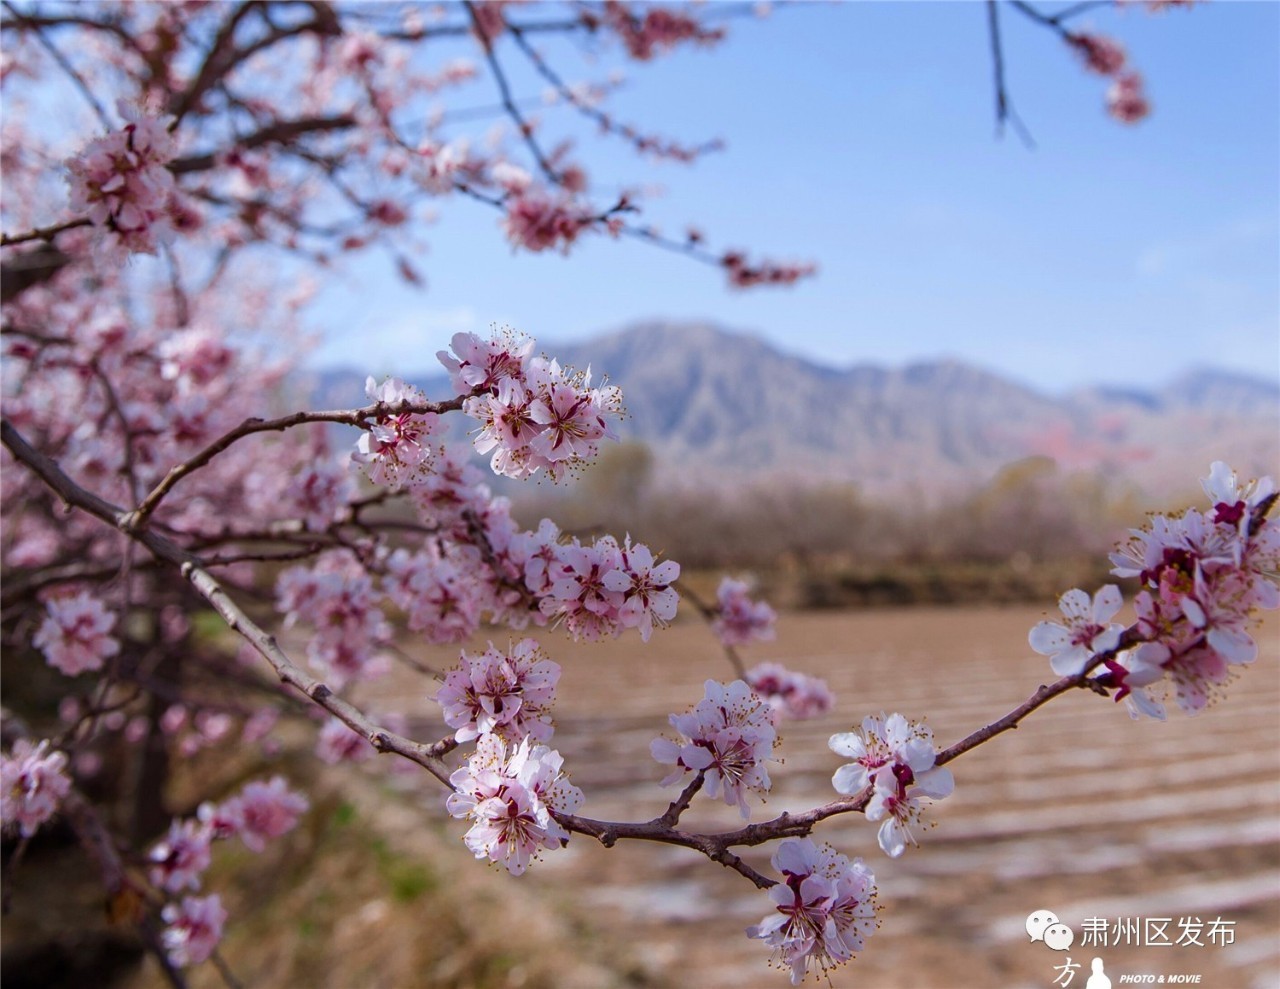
column 277, row 133
column 41, row 233
column 350, row 417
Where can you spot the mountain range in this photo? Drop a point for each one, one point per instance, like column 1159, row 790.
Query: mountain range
column 711, row 403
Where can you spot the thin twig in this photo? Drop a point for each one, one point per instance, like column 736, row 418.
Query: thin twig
column 350, row 417
column 65, row 65
column 1004, row 107
column 192, row 569
column 42, row 233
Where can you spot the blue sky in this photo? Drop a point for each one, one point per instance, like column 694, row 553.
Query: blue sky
column 862, row 136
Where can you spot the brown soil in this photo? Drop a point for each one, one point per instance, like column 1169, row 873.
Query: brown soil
column 1081, row 811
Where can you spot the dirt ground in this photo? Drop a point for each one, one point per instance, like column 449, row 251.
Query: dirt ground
column 1081, row 811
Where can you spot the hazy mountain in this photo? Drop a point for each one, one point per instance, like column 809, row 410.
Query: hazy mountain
column 713, row 403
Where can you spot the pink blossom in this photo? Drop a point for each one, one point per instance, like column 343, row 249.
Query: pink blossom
column 398, row 446
column 75, row 635
column 1126, row 100
column 488, row 21
column 824, row 908
column 745, row 275
column 728, row 737
column 319, row 492
column 538, row 223
column 441, row 597
column 179, row 859
column 195, row 358
column 194, row 929
column 509, row 694
column 512, row 178
column 579, row 595
column 796, row 695
column 510, row 798
column 740, row 620
column 338, row 743
column 338, row 598
column 897, row 757
column 660, row 29
column 1234, row 503
column 263, row 810
column 1086, row 632
column 33, row 782
column 648, row 596
column 1101, row 54
column 481, row 364
column 1206, row 576
column 537, row 554
column 121, row 184
column 453, row 486
column 1132, row 671
column 534, row 414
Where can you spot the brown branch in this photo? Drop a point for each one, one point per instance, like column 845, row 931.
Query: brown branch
column 85, row 89
column 1004, row 107
column 192, row 569
column 1043, row 695
column 42, row 233
column 350, row 417
column 639, row 142
column 504, row 89
column 661, row 829
column 278, row 133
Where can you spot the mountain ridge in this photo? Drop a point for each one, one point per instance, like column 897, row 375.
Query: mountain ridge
column 714, row 404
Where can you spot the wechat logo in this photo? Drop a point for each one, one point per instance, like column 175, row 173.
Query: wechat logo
column 1044, row 926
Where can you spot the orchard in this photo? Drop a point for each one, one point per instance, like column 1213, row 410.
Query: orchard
column 160, row 479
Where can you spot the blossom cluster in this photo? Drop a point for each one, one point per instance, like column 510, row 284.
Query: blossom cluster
column 33, row 783
column 537, row 221
column 790, row 693
column 824, row 908
column 1126, row 98
column 727, row 737
column 740, row 620
column 509, row 794
column 177, row 862
column 534, row 414
column 121, row 184
column 339, row 599
column 476, row 564
column 659, row 29
column 508, row 694
column 75, row 635
column 399, row 444
column 600, row 589
column 1204, row 577
column 896, row 757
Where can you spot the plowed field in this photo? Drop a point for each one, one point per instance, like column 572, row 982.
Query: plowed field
column 1081, row 811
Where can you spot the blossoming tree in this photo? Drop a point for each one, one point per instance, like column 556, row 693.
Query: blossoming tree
column 138, row 497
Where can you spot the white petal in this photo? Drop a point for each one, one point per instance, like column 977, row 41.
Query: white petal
column 1075, row 605
column 848, row 744
column 1107, row 602
column 1069, row 662
column 1048, row 638
column 850, row 779
column 891, row 839
column 936, row 783
column 1233, row 645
